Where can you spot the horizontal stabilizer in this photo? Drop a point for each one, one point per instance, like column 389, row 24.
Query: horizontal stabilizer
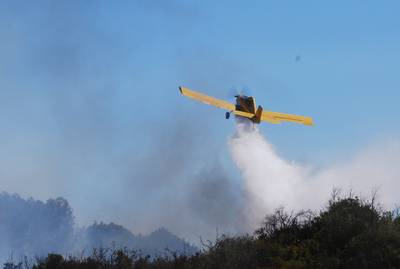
column 276, row 117
column 243, row 114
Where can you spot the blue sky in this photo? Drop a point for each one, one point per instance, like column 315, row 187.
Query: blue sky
column 89, row 90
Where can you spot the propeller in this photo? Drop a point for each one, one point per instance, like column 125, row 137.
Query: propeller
column 246, row 91
column 234, row 91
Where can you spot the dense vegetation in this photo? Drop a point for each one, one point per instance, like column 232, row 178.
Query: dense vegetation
column 348, row 233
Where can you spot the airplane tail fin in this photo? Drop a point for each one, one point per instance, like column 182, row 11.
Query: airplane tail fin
column 257, row 116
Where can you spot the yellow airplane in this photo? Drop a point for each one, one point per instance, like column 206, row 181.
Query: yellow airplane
column 246, row 107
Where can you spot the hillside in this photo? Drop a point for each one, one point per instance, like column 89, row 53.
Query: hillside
column 31, row 227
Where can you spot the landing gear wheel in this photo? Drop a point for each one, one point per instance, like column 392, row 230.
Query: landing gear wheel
column 227, row 115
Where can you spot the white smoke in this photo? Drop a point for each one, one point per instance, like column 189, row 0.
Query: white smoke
column 271, row 182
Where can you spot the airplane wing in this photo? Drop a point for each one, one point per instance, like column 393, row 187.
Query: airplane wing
column 276, row 117
column 269, row 116
column 207, row 99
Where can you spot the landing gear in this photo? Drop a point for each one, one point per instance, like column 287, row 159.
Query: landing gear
column 227, row 115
